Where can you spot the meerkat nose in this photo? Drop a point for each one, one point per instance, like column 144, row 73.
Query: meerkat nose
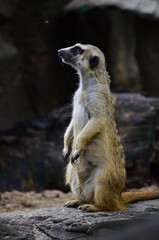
column 59, row 52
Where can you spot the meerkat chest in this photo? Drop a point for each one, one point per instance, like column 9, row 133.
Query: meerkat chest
column 80, row 112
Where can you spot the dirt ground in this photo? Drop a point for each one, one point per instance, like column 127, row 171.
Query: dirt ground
column 15, row 200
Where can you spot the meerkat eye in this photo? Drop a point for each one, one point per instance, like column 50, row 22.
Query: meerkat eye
column 77, row 50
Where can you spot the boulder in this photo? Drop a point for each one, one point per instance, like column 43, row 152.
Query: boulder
column 64, row 223
column 8, row 8
column 141, row 7
column 137, row 121
column 14, row 104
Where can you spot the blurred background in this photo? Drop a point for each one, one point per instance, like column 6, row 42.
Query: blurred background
column 36, row 89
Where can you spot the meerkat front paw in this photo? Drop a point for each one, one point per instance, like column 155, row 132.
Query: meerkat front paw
column 76, row 154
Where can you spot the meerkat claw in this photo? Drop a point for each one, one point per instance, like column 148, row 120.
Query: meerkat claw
column 75, row 157
column 77, row 153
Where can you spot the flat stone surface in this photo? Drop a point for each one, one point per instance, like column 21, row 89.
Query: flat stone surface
column 64, row 223
column 144, row 7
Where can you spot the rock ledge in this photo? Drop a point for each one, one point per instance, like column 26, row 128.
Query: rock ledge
column 64, row 223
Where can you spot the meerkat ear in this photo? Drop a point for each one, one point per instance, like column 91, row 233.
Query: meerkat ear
column 93, row 61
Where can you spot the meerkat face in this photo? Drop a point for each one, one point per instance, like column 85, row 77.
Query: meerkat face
column 82, row 57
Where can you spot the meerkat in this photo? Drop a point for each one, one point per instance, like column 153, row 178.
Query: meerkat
column 96, row 162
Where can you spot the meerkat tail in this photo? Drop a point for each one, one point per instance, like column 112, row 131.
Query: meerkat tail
column 129, row 197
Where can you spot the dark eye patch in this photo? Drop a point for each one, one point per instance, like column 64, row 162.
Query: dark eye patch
column 77, row 50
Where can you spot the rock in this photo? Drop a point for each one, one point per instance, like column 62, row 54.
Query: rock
column 137, row 122
column 147, row 45
column 141, row 7
column 13, row 100
column 65, row 223
column 8, row 8
column 120, row 51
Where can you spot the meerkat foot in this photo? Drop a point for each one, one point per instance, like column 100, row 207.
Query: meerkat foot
column 89, row 208
column 73, row 203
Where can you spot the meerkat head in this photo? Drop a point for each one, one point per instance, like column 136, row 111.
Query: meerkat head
column 83, row 57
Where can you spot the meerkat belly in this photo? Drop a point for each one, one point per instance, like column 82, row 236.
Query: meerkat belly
column 88, row 190
column 80, row 117
column 96, row 151
column 83, row 174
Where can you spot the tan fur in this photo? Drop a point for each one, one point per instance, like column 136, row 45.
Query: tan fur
column 97, row 177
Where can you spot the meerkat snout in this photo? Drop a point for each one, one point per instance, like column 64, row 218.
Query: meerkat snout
column 59, row 52
column 70, row 55
column 64, row 55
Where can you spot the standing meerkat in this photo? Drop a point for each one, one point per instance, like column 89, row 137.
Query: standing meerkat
column 96, row 161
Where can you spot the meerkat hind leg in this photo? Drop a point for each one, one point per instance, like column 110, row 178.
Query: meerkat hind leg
column 73, row 203
column 107, row 200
